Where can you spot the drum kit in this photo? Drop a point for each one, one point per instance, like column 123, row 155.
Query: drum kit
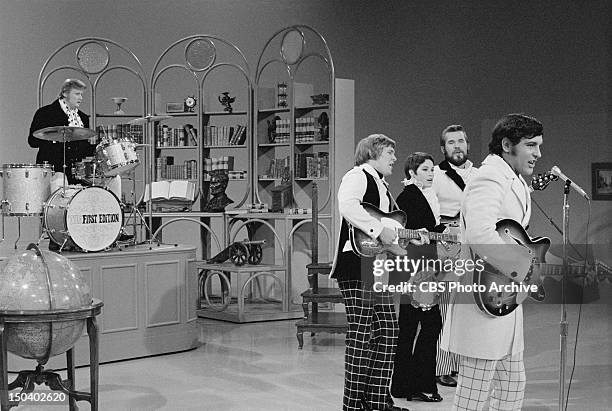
column 84, row 218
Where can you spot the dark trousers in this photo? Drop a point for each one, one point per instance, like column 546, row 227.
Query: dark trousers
column 370, row 346
column 415, row 363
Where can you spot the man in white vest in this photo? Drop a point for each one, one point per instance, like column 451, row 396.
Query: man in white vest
column 491, row 348
column 450, row 178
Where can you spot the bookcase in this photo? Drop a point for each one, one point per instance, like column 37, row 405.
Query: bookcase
column 296, row 135
column 210, row 77
column 276, row 131
column 113, row 73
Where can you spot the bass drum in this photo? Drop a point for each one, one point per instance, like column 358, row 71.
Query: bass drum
column 89, row 218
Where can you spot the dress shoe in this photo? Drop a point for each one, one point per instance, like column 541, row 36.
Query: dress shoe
column 446, row 380
column 390, row 407
column 425, row 397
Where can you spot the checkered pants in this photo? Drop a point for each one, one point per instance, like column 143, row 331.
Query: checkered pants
column 474, row 384
column 370, row 346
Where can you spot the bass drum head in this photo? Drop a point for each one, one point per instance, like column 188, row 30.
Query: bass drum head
column 94, row 218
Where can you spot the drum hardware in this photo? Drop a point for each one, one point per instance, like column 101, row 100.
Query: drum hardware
column 63, row 134
column 150, row 118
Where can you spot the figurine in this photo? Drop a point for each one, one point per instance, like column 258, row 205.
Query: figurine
column 226, row 101
column 218, row 199
column 323, row 121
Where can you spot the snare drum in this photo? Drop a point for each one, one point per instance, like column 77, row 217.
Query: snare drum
column 25, row 188
column 116, row 156
column 90, row 218
column 86, row 169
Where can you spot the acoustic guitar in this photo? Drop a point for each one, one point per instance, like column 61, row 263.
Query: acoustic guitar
column 366, row 246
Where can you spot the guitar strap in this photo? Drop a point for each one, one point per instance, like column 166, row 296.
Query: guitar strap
column 452, row 174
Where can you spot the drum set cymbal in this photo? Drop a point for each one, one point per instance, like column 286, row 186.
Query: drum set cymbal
column 148, row 119
column 64, row 134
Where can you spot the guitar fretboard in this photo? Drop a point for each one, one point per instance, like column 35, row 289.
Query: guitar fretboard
column 557, row 269
column 413, row 234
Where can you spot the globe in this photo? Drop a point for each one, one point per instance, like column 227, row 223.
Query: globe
column 37, row 280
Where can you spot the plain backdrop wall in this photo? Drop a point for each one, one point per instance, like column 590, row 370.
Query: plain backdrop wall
column 417, row 66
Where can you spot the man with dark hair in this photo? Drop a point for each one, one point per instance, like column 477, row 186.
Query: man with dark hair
column 450, row 178
column 491, row 347
column 64, row 111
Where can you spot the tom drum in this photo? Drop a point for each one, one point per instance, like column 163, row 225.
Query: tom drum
column 116, row 156
column 25, row 188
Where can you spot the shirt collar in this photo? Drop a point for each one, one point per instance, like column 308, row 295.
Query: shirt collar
column 65, row 107
column 468, row 165
column 373, row 172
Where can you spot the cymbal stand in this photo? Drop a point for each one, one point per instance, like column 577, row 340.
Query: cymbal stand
column 18, row 231
column 135, row 211
column 2, row 240
column 64, row 164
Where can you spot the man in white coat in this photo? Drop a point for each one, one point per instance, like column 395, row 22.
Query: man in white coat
column 491, row 348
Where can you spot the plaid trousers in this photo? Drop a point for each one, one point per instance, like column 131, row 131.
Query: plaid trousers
column 370, row 346
column 476, row 375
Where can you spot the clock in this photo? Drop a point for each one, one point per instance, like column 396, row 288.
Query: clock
column 190, row 103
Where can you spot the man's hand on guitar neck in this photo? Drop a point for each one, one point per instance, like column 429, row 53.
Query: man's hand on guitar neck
column 423, row 240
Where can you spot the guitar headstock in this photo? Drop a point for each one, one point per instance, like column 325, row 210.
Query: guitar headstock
column 603, row 271
column 541, row 181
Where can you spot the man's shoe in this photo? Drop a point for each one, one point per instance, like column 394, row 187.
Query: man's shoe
column 425, row 397
column 390, row 407
column 446, row 380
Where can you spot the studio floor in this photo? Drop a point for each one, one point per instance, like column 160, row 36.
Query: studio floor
column 257, row 366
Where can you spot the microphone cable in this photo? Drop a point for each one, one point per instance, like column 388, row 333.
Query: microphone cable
column 586, row 250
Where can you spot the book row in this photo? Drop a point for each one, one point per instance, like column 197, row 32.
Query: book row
column 225, row 135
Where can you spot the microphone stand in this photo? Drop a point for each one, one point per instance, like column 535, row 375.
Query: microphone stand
column 563, row 323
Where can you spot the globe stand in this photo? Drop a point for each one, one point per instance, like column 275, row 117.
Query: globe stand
column 27, row 379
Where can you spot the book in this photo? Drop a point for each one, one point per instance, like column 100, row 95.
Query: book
column 174, row 190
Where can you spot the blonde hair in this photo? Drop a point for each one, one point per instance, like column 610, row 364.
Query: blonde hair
column 71, row 83
column 370, row 148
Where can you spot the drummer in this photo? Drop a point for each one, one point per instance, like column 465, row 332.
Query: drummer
column 62, row 112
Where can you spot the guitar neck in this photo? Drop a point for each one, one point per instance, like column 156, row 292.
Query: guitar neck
column 408, row 233
column 557, row 269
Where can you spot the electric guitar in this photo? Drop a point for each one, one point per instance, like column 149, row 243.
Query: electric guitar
column 498, row 303
column 365, row 246
column 541, row 181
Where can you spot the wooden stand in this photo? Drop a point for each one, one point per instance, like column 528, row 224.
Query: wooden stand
column 27, row 379
column 229, row 310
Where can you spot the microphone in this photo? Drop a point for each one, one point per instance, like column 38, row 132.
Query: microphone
column 557, row 172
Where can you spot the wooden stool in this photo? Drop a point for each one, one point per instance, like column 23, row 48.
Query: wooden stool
column 314, row 321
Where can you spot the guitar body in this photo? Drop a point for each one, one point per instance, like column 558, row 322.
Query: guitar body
column 365, row 246
column 499, row 304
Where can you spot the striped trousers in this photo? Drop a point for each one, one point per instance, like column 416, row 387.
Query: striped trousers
column 504, row 379
column 446, row 362
column 370, row 346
